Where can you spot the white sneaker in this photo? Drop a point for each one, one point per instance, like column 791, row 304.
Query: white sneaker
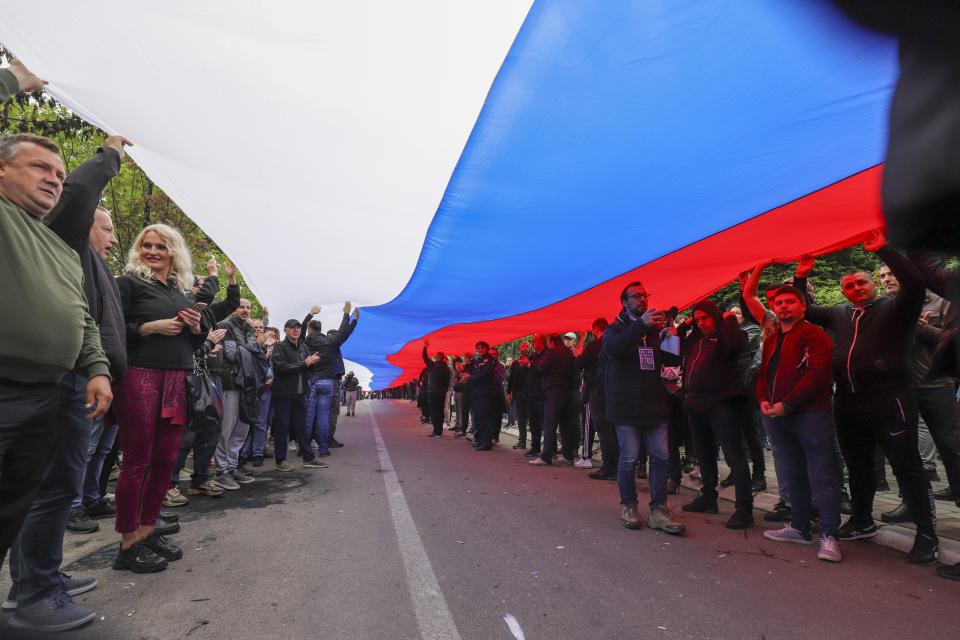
column 829, row 549
column 583, row 463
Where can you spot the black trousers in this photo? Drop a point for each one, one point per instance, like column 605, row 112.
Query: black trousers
column 334, row 410
column 435, row 402
column 424, row 404
column 520, row 402
column 609, row 445
column 557, row 416
column 463, row 410
column 28, row 421
column 289, row 419
column 889, row 419
column 482, row 419
column 535, row 417
column 938, row 406
column 751, row 436
column 720, row 426
column 678, row 433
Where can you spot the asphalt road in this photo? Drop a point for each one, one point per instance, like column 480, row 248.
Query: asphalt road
column 408, row 537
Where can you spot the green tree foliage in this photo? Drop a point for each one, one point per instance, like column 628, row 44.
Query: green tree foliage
column 133, row 200
column 825, row 277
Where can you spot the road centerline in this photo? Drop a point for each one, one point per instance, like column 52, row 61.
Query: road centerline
column 430, row 607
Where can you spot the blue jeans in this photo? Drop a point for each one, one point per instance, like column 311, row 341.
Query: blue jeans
column 101, row 442
column 257, row 438
column 807, row 441
column 319, row 397
column 629, row 437
column 36, row 555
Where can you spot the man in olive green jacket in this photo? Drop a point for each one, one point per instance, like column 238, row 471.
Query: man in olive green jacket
column 51, row 331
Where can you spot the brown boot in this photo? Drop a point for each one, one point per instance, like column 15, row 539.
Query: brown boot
column 661, row 518
column 629, row 516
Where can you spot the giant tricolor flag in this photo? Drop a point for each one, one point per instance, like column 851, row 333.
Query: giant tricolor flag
column 484, row 170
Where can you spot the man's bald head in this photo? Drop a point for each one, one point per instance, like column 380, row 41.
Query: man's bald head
column 102, row 237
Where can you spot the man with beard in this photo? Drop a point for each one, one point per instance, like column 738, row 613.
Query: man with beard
column 637, row 405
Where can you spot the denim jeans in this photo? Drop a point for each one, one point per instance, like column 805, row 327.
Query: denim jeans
column 319, row 397
column 720, row 425
column 257, row 438
column 36, row 555
column 807, row 441
column 629, row 437
column 101, row 442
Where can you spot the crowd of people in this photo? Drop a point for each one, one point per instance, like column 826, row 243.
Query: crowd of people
column 833, row 391
column 99, row 368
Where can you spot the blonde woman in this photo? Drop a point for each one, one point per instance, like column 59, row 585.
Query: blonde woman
column 151, row 400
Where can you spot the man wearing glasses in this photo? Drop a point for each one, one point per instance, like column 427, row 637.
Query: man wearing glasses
column 637, row 404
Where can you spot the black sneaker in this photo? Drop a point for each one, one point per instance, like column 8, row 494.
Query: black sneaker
column 102, row 508
column 55, row 612
column 740, row 520
column 139, row 559
column 169, row 516
column 334, row 444
column 257, row 461
column 600, row 474
column 163, row 547
column 781, row 513
column 701, row 504
column 533, row 453
column 165, row 527
column 926, row 546
column 758, row 485
column 79, row 522
column 949, row 571
column 728, row 481
column 857, row 531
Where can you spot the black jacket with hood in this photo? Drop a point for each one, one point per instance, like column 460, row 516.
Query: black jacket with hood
column 710, row 362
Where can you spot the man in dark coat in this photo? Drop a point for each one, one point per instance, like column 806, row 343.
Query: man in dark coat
column 637, row 405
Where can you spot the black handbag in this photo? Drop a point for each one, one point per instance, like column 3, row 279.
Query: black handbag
column 204, row 399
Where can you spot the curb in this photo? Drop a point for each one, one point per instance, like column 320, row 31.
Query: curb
column 892, row 536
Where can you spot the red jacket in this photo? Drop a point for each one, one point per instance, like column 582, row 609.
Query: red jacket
column 802, row 379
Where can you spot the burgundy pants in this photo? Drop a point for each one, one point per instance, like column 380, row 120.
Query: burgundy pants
column 146, row 405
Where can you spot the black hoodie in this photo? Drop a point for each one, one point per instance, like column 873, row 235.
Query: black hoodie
column 710, row 369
